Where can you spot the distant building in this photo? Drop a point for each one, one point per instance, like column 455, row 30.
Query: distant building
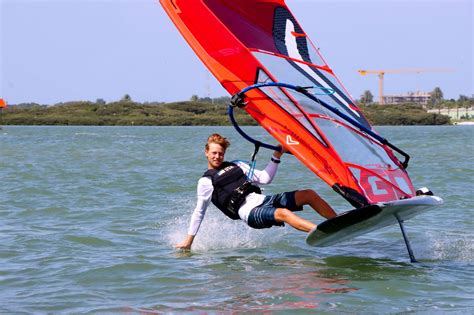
column 417, row 97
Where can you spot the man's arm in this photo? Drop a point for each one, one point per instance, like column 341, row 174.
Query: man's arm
column 266, row 176
column 204, row 194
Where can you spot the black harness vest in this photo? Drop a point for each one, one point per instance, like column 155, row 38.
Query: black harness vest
column 230, row 188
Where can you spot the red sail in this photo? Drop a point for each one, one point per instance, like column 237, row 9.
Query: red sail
column 246, row 42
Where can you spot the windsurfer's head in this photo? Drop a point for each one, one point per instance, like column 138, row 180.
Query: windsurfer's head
column 215, row 150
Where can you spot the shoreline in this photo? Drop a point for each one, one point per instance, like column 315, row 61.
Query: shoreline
column 189, row 113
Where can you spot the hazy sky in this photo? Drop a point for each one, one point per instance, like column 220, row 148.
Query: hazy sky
column 55, row 51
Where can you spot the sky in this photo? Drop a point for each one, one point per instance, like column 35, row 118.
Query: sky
column 71, row 50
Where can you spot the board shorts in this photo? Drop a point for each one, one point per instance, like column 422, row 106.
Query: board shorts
column 263, row 216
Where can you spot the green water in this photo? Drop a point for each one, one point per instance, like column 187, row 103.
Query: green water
column 89, row 216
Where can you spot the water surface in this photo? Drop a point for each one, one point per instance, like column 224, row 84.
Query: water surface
column 90, row 216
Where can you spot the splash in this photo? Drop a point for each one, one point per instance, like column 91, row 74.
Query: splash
column 219, row 232
column 451, row 246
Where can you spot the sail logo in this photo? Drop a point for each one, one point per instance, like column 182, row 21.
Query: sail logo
column 382, row 185
column 290, row 141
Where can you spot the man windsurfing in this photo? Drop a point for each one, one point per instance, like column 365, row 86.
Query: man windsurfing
column 232, row 190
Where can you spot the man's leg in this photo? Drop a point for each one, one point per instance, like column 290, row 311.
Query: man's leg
column 310, row 197
column 283, row 215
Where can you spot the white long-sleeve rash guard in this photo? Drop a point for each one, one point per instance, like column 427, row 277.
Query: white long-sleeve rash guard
column 205, row 189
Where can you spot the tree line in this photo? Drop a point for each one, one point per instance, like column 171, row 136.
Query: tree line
column 198, row 111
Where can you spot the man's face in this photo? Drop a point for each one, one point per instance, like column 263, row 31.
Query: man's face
column 215, row 155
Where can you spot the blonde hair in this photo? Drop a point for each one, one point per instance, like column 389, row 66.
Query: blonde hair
column 217, row 138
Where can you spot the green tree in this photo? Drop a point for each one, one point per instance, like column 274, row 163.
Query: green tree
column 463, row 98
column 437, row 97
column 367, row 97
column 194, row 98
column 221, row 100
column 437, row 94
column 205, row 99
column 126, row 98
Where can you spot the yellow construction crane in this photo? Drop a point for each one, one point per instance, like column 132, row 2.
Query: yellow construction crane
column 381, row 74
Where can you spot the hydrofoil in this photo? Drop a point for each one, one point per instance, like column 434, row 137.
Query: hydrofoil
column 363, row 220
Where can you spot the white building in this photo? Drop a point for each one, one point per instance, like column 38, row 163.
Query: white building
column 417, row 97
